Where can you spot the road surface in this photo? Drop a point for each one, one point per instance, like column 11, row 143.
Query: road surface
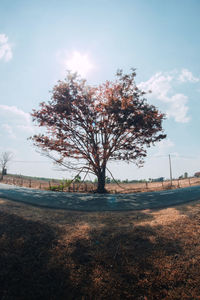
column 98, row 202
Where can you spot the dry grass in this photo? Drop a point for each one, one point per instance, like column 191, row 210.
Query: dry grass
column 57, row 254
column 112, row 187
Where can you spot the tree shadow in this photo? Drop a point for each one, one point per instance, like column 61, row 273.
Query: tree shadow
column 25, row 254
column 40, row 261
column 121, row 265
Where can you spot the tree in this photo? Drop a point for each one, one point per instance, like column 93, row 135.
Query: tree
column 5, row 158
column 88, row 126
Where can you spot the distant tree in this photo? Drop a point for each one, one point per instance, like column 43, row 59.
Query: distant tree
column 5, row 158
column 88, row 126
column 108, row 179
column 125, row 181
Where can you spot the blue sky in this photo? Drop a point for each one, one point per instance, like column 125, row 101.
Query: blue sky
column 39, row 40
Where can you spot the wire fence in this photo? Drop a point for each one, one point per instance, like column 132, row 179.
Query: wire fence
column 84, row 187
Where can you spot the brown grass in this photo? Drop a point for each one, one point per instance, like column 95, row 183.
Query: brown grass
column 112, row 187
column 57, row 254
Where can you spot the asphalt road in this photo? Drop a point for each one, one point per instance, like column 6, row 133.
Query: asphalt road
column 98, row 202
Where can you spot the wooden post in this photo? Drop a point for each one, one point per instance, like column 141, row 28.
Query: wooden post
column 30, row 183
column 170, row 169
column 40, row 186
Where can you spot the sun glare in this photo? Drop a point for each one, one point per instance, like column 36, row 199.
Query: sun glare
column 79, row 63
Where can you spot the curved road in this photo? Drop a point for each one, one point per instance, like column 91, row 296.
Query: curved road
column 98, row 202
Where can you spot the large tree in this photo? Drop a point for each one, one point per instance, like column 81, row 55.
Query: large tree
column 88, row 126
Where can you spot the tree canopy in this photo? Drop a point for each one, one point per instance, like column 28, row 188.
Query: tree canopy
column 88, row 126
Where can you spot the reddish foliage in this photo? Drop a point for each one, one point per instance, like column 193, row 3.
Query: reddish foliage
column 94, row 125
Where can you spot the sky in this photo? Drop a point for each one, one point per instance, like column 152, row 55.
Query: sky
column 40, row 40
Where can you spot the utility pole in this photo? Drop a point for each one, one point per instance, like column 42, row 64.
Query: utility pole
column 170, row 169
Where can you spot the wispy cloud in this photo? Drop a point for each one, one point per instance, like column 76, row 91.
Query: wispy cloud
column 8, row 129
column 15, row 120
column 15, row 111
column 187, row 76
column 5, row 48
column 164, row 147
column 178, row 108
column 163, row 88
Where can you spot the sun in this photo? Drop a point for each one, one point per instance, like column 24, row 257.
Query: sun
column 79, row 63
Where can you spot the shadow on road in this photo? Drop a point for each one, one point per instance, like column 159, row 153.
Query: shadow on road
column 100, row 202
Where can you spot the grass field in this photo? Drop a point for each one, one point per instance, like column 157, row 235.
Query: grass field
column 57, row 254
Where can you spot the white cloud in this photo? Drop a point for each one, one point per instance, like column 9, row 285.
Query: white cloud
column 159, row 84
column 178, row 108
column 162, row 87
column 28, row 128
column 14, row 111
column 15, row 121
column 187, row 76
column 5, row 48
column 164, row 147
column 8, row 129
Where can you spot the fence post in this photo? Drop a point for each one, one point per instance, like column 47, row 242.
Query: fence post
column 30, row 183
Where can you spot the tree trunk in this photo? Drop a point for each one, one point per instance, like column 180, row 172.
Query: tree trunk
column 101, row 181
column 1, row 175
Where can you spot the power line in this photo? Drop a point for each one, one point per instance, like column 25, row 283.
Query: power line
column 153, row 156
column 29, row 161
column 175, row 156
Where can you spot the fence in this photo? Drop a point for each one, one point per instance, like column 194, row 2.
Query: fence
column 48, row 185
column 153, row 186
column 113, row 188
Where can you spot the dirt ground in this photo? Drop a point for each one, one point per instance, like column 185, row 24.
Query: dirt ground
column 57, row 254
